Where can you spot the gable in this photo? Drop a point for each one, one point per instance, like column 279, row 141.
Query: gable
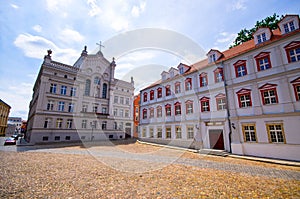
column 243, row 91
column 267, row 86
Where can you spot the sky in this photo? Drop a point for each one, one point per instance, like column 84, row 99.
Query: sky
column 145, row 37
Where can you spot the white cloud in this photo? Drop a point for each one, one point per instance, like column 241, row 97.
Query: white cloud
column 37, row 28
column 239, row 5
column 95, row 9
column 68, row 35
column 137, row 10
column 225, row 37
column 59, row 7
column 14, row 6
column 36, row 47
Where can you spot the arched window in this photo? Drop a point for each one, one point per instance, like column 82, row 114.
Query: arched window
column 104, row 91
column 87, row 87
column 97, row 80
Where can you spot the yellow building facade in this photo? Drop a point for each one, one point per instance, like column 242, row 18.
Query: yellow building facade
column 4, row 112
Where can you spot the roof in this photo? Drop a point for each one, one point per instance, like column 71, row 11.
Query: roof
column 233, row 52
column 1, row 101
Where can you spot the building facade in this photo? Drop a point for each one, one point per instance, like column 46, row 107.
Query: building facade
column 136, row 115
column 83, row 102
column 4, row 112
column 17, row 122
column 244, row 100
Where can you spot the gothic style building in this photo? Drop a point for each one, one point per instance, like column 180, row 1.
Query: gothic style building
column 245, row 100
column 83, row 102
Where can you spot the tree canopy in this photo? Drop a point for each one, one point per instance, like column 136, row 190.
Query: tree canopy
column 246, row 35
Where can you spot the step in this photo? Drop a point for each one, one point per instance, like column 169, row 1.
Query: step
column 222, row 153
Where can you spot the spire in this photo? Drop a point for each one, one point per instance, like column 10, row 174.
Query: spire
column 100, row 45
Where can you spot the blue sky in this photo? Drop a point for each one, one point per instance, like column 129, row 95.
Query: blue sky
column 29, row 28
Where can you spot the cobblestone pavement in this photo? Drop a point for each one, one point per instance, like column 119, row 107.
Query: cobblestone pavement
column 162, row 155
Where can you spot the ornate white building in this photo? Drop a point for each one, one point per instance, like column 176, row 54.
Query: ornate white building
column 83, row 102
column 245, row 100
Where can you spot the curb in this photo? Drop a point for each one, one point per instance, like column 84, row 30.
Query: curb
column 167, row 146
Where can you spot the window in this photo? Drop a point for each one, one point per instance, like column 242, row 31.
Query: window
column 181, row 70
column 87, row 87
column 121, row 113
column 115, row 125
column 188, row 84
column 289, row 27
column 178, row 132
column 168, row 132
column 151, row 110
column 261, row 38
column 249, row 132
column 83, row 124
column 57, row 138
column 177, row 108
column 145, row 96
column 240, row 68
column 63, row 90
column 84, row 108
column 121, row 100
column 127, row 101
column 71, row 107
column 115, row 112
column 159, row 111
column 47, row 123
column 151, row 133
column 190, row 132
column 204, row 104
column 95, row 109
column 296, row 85
column 45, row 138
column 121, row 126
column 212, row 58
column 263, row 61
column 104, row 91
column 189, row 107
column 203, row 79
column 52, row 88
column 116, row 99
column 97, row 81
column 168, row 109
column 168, row 90
column 126, row 113
column 159, row 93
column 276, row 133
column 59, row 123
column 218, row 73
column 104, row 110
column 293, row 51
column 177, row 87
column 104, row 123
column 73, row 91
column 50, row 105
column 152, row 95
column 244, row 98
column 69, row 123
column 269, row 94
column 159, row 132
column 144, row 132
column 61, row 106
column 221, row 102
column 68, row 137
column 144, row 113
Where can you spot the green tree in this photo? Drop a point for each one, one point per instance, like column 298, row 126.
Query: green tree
column 246, row 35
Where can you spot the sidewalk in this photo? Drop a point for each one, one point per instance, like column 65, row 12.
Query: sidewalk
column 252, row 158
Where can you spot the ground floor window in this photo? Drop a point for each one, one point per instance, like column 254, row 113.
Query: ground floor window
column 45, row 138
column 190, row 132
column 276, row 133
column 159, row 132
column 144, row 132
column 151, row 132
column 249, row 132
column 178, row 132
column 168, row 132
column 57, row 138
column 68, row 137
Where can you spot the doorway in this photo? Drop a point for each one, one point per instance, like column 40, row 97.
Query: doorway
column 216, row 139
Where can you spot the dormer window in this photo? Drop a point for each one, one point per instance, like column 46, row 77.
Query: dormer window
column 212, row 58
column 181, row 70
column 261, row 38
column 289, row 27
column 164, row 77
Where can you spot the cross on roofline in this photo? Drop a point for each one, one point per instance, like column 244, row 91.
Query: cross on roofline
column 100, row 45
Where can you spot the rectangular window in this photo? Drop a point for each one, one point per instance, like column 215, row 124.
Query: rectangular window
column 276, row 133
column 151, row 110
column 269, row 96
column 121, row 100
column 168, row 91
column 168, row 110
column 288, row 27
column 73, row 91
column 294, row 54
column 241, row 71
column 45, row 138
column 159, row 132
column 84, row 108
column 63, row 90
column 189, row 107
column 95, row 109
column 178, row 132
column 61, row 106
column 50, row 105
column 127, row 101
column 244, row 99
column 152, row 95
column 151, row 133
column 68, row 138
column 104, row 123
column 177, row 87
column 121, row 113
column 47, row 123
column 297, row 91
column 83, row 124
column 115, row 112
column 145, row 97
column 249, row 132
column 59, row 123
column 159, row 93
column 205, row 105
column 188, row 84
column 190, row 132
column 168, row 132
column 116, row 99
column 115, row 125
column 52, row 88
column 144, row 113
column 104, row 110
column 159, row 111
column 144, row 133
column 221, row 103
column 126, row 113
column 218, row 76
column 177, row 109
column 71, row 108
column 203, row 80
column 264, row 64
column 69, row 123
column 57, row 138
